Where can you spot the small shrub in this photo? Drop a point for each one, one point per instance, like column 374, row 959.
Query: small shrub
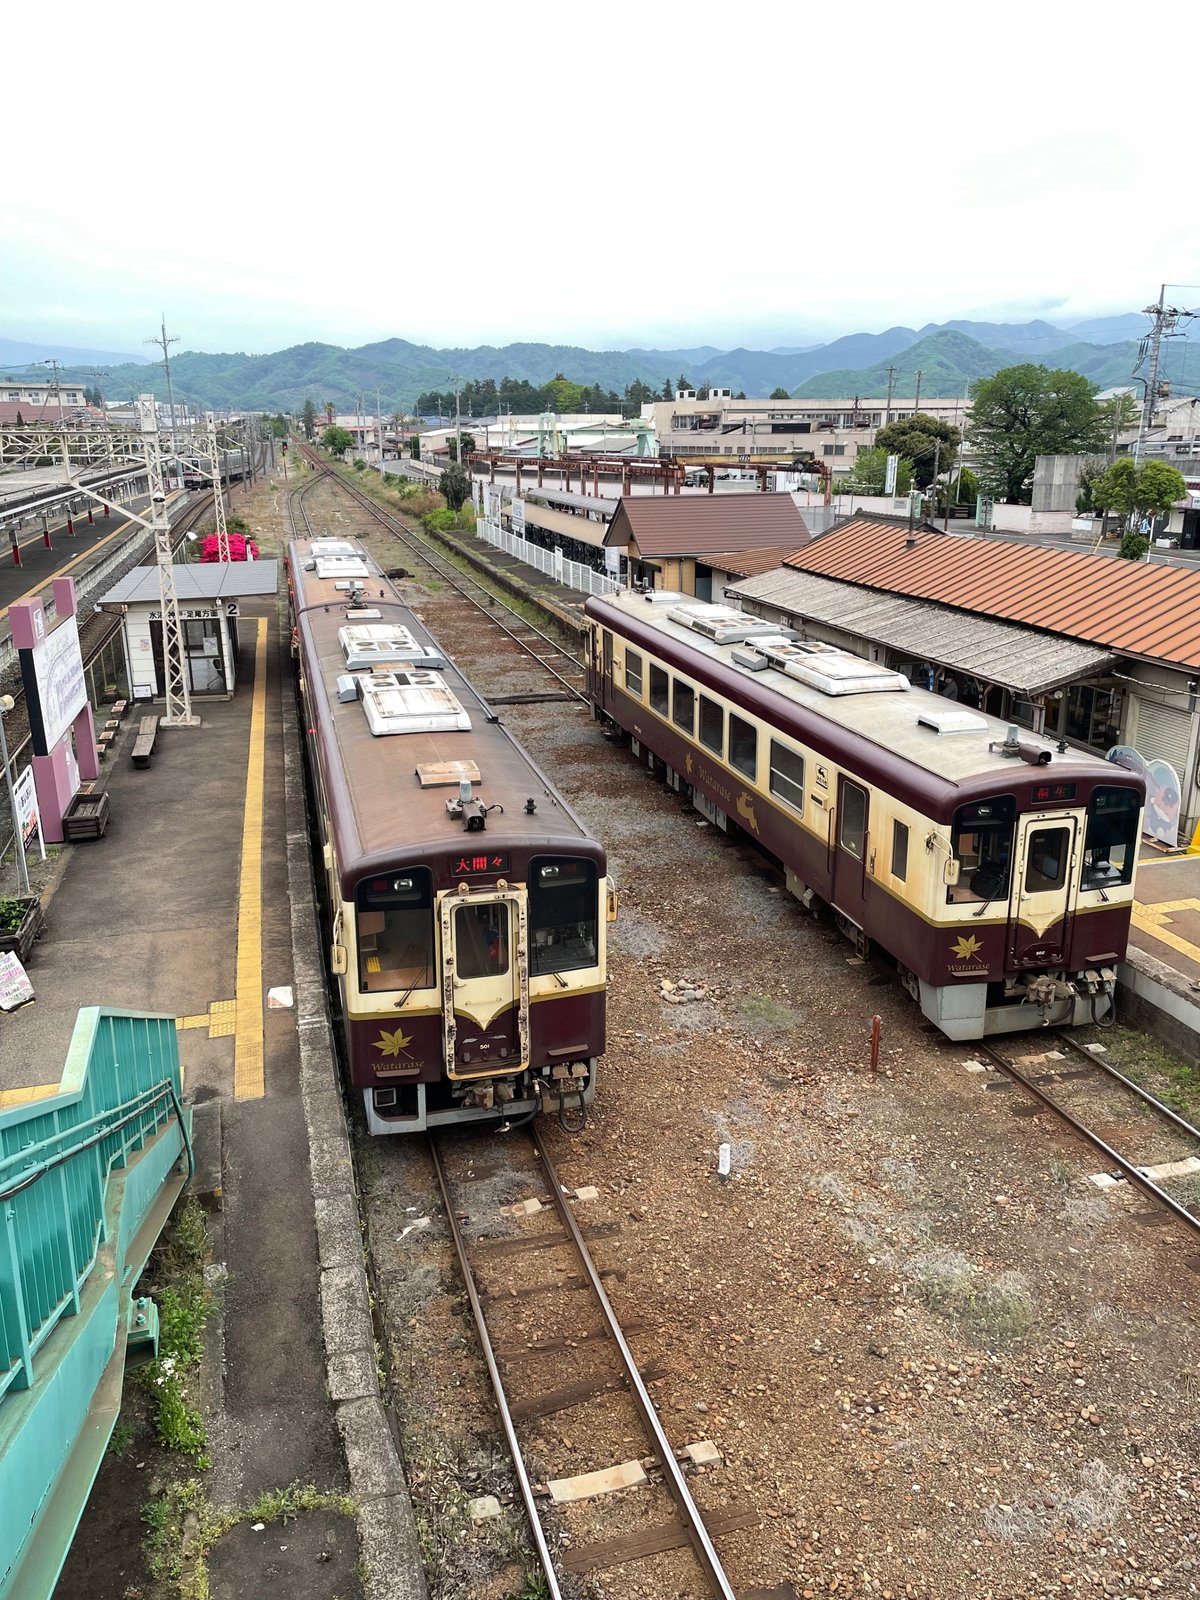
column 439, row 521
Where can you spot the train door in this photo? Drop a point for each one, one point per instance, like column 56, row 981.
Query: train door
column 606, row 690
column 850, row 851
column 1039, row 907
column 485, row 984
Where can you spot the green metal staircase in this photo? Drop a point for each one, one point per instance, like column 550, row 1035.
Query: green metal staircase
column 88, row 1177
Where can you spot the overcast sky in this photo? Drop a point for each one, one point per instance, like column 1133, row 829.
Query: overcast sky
column 611, row 175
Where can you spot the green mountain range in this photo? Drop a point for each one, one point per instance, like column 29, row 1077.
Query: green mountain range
column 949, row 355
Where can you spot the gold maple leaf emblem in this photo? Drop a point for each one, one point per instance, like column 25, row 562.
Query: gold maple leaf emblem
column 393, row 1044
column 965, row 948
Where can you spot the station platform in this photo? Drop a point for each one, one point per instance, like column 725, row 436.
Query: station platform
column 1160, row 978
column 184, row 908
column 40, row 563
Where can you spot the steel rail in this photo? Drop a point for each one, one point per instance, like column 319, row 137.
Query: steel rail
column 1124, row 1166
column 489, row 1356
column 450, row 575
column 1144, row 1095
column 698, row 1534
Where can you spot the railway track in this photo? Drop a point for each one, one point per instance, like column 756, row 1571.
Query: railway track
column 1086, row 1098
column 554, row 1349
column 562, row 665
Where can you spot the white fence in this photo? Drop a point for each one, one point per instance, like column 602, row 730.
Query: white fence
column 552, row 562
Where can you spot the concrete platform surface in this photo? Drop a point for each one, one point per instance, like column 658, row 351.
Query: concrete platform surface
column 1166, row 913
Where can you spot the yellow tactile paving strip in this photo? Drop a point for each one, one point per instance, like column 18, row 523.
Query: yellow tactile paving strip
column 248, row 1070
column 220, row 1019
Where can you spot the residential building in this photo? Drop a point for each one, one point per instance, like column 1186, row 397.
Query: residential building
column 833, row 430
column 41, row 395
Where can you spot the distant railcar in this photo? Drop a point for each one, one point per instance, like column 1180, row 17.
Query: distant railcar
column 468, row 905
column 995, row 868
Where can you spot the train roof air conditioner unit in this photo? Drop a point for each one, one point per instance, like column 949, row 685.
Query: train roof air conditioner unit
column 385, row 644
column 416, row 701
column 837, row 674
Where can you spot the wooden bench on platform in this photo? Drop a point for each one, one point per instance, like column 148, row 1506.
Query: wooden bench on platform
column 143, row 745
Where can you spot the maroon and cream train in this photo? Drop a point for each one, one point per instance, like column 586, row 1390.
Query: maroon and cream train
column 996, row 869
column 468, row 905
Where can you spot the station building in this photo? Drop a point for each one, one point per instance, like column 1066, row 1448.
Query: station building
column 693, row 543
column 1087, row 648
column 209, row 594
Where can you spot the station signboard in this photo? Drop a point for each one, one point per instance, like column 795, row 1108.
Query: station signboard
column 60, row 688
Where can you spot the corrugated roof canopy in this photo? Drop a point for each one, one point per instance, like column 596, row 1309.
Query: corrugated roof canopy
column 998, row 652
column 1137, row 609
column 200, row 580
column 698, row 525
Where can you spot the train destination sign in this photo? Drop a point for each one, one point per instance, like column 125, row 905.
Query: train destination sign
column 1053, row 792
column 475, row 864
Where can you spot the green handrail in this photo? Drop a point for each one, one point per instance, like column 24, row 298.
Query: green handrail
column 87, row 1178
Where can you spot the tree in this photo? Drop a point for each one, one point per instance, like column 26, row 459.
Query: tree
column 337, row 440
column 1157, row 487
column 740, row 395
column 309, row 419
column 870, row 472
column 1151, row 488
column 682, row 383
column 279, row 426
column 468, row 446
column 330, row 410
column 638, row 394
column 414, row 447
column 1028, row 411
column 667, row 392
column 779, row 394
column 1133, row 547
column 454, row 486
column 923, row 441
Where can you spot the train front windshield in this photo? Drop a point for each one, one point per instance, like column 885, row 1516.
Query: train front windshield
column 981, row 841
column 1110, row 844
column 563, row 914
column 394, row 915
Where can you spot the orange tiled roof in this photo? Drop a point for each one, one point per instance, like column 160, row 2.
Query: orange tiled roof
column 1141, row 610
column 699, row 524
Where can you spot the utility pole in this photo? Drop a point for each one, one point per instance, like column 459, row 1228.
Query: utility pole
column 379, row 427
column 175, row 678
column 164, row 344
column 1166, row 321
column 917, row 400
column 210, row 424
column 887, row 414
column 457, row 428
column 52, row 362
column 99, row 373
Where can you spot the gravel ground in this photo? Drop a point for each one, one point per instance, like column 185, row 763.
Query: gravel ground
column 936, row 1359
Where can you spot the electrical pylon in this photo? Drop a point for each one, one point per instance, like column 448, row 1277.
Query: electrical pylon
column 179, row 702
column 210, row 423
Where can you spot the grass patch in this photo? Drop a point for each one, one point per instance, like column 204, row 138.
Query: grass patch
column 182, row 1527
column 1153, row 1067
column 183, row 1311
column 762, row 1013
column 120, row 1439
column 997, row 1311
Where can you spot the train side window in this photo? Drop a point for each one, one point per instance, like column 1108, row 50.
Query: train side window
column 712, row 725
column 852, row 829
column 981, row 841
column 1046, row 866
column 743, row 746
column 563, row 914
column 1110, row 844
column 684, row 707
column 659, row 691
column 481, row 940
column 633, row 672
column 899, row 850
column 787, row 775
column 393, row 915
